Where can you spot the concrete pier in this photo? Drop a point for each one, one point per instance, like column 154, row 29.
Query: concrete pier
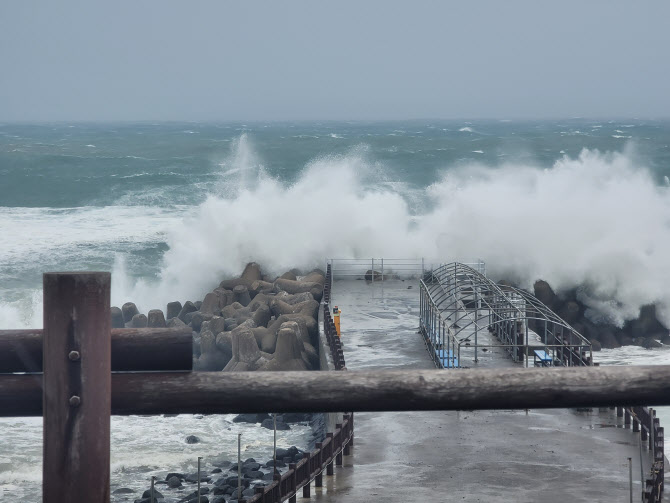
column 516, row 456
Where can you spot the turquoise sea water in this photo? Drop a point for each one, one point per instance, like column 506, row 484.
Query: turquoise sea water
column 119, row 196
column 172, row 208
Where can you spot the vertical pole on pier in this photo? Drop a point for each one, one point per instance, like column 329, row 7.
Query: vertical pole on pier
column 153, row 482
column 274, row 450
column 199, row 459
column 373, row 270
column 239, row 466
column 630, row 478
column 641, row 469
column 651, row 433
column 77, row 381
column 476, row 322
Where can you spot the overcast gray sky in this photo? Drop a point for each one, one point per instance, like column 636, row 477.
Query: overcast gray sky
column 248, row 60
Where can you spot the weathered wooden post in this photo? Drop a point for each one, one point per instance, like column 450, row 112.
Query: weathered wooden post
column 77, row 384
column 305, row 488
column 318, row 480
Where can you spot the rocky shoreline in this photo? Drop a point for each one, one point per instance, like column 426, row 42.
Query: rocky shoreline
column 645, row 331
column 253, row 322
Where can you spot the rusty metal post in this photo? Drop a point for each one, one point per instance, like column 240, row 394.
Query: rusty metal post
column 76, row 399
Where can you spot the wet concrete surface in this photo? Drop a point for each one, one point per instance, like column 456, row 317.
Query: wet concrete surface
column 526, row 456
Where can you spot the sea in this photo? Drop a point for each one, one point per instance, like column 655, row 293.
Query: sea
column 172, row 208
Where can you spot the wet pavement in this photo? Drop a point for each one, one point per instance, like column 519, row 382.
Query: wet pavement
column 521, row 456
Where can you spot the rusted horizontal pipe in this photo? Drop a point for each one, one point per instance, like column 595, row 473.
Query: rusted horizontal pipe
column 389, row 390
column 133, row 349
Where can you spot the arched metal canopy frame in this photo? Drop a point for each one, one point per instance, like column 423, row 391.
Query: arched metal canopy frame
column 457, row 302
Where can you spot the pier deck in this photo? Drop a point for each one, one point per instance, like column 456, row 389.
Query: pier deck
column 540, row 455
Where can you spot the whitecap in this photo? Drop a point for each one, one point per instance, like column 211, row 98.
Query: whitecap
column 466, row 129
column 477, row 151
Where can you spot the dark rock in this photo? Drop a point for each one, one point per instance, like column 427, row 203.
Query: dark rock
column 139, row 321
column 173, row 309
column 570, row 312
column 155, row 319
column 282, row 453
column 117, row 318
column 649, row 343
column 147, row 494
column 217, row 470
column 262, row 316
column 253, row 474
column 180, row 476
column 249, row 460
column 371, row 275
column 192, row 439
column 174, row 482
column 270, row 464
column 123, row 490
column 251, row 465
column 249, row 492
column 296, row 417
column 175, row 323
column 232, row 481
column 211, row 304
column 189, row 307
column 241, row 295
column 269, row 424
column 129, row 309
column 595, row 345
column 270, row 476
column 665, row 339
column 545, row 293
column 198, row 318
column 193, row 478
column 607, row 338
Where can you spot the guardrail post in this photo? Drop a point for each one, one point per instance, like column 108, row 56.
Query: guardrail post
column 290, row 482
column 318, row 480
column 307, row 465
column 77, row 381
column 329, row 467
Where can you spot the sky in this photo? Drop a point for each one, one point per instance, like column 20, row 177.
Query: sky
column 223, row 60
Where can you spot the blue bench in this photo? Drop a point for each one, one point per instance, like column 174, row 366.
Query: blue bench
column 542, row 359
column 447, row 358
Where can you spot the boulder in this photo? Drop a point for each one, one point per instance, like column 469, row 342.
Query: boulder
column 216, row 325
column 211, row 304
column 372, row 275
column 570, row 312
column 244, row 345
column 155, row 319
column 117, row 318
column 224, row 342
column 269, row 424
column 189, row 307
column 157, row 495
column 259, row 287
column 207, row 342
column 262, row 315
column 192, row 439
column 241, row 295
column 251, row 273
column 290, row 275
column 545, row 293
column 649, row 343
column 316, row 276
column 175, row 322
column 139, row 321
column 214, row 361
column 197, row 318
column 174, row 482
column 294, row 287
column 595, row 345
column 129, row 309
column 173, row 309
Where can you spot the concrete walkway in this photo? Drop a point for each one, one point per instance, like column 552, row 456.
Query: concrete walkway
column 517, row 456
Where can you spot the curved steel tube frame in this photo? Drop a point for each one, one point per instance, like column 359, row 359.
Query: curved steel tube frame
column 458, row 302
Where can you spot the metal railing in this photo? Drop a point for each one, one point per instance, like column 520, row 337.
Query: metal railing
column 457, row 302
column 381, row 268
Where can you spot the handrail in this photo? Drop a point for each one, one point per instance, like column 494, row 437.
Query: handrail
column 337, row 443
